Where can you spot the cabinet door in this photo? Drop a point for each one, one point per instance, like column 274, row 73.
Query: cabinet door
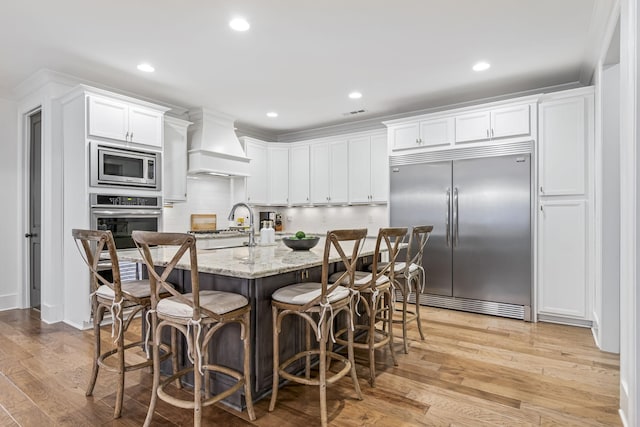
column 360, row 170
column 379, row 169
column 437, row 132
column 108, row 118
column 174, row 187
column 257, row 181
column 563, row 142
column 299, row 175
column 510, row 121
column 339, row 172
column 278, row 173
column 320, row 173
column 473, row 126
column 562, row 258
column 145, row 126
column 405, row 136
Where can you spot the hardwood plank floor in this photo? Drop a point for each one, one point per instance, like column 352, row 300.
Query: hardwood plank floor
column 472, row 370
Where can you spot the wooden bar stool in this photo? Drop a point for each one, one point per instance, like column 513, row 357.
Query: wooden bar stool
column 113, row 296
column 318, row 304
column 410, row 277
column 378, row 301
column 197, row 315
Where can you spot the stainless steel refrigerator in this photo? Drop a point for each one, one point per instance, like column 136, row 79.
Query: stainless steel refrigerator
column 478, row 257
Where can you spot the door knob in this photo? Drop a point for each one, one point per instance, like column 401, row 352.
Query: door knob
column 27, row 235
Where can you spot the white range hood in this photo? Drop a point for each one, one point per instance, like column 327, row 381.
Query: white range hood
column 213, row 145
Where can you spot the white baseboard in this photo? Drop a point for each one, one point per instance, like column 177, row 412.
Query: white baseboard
column 51, row 313
column 8, row 302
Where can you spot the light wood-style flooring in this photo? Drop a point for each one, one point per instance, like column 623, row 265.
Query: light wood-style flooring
column 472, row 370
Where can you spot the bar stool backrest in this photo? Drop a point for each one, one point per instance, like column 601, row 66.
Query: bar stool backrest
column 418, row 240
column 184, row 243
column 392, row 237
column 335, row 240
column 100, row 240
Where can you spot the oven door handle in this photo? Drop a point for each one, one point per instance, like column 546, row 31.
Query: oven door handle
column 127, row 212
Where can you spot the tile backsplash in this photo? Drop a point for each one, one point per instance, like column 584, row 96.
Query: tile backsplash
column 319, row 219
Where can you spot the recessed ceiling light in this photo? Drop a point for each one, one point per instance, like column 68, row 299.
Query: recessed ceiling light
column 272, row 114
column 239, row 24
column 481, row 66
column 355, row 95
column 146, row 68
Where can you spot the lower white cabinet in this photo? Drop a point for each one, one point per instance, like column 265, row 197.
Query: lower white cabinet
column 174, row 187
column 562, row 259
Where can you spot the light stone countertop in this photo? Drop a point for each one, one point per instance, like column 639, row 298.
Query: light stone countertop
column 248, row 263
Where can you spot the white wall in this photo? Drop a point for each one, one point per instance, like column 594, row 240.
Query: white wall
column 9, row 228
column 205, row 195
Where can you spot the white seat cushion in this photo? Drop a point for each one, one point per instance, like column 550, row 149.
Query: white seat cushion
column 135, row 288
column 397, row 268
column 216, row 301
column 302, row 293
column 362, row 278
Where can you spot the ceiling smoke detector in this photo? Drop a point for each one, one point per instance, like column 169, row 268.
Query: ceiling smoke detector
column 354, row 112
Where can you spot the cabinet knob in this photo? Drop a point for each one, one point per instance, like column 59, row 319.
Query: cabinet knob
column 126, row 137
column 492, row 133
column 541, row 190
column 487, row 133
column 131, row 137
column 417, row 141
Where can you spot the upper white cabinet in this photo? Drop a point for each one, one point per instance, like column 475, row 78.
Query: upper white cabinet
column 299, row 174
column 425, row 133
column 368, row 169
column 329, row 172
column 122, row 121
column 256, row 183
column 278, row 173
column 174, row 188
column 504, row 122
column 563, row 145
column 481, row 124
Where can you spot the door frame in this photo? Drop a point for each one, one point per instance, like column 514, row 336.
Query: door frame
column 25, row 140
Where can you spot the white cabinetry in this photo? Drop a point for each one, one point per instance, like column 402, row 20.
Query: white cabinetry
column 562, row 260
column 368, row 169
column 256, row 183
column 329, row 172
column 118, row 120
column 563, row 145
column 278, row 173
column 299, row 174
column 565, row 207
column 174, row 188
column 425, row 133
column 504, row 122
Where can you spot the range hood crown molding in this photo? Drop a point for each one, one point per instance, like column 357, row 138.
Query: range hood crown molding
column 214, row 147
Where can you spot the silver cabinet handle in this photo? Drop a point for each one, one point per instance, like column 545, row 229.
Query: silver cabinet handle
column 417, row 141
column 126, row 137
column 487, row 133
column 447, row 226
column 131, row 137
column 492, row 133
column 541, row 190
column 456, row 239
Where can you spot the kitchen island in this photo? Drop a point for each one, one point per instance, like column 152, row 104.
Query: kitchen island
column 256, row 273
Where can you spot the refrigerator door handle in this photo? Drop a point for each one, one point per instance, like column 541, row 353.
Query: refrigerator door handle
column 456, row 239
column 447, row 226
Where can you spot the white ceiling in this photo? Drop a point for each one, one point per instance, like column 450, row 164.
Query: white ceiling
column 302, row 58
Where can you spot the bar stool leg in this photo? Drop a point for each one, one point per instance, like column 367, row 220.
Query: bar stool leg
column 98, row 315
column 156, row 369
column 372, row 340
column 350, row 355
column 197, row 380
column 174, row 355
column 307, row 366
column 323, row 373
column 246, row 338
column 276, row 359
column 120, row 393
column 417, row 290
column 389, row 302
column 405, row 294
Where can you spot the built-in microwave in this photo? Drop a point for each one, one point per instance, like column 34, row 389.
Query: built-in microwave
column 119, row 166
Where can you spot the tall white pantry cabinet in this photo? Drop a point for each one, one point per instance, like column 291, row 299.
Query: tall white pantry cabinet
column 565, row 206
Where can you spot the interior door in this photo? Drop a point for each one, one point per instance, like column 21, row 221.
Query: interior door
column 418, row 196
column 35, row 135
column 492, row 229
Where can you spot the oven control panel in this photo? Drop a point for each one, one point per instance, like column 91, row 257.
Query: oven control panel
column 109, row 200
